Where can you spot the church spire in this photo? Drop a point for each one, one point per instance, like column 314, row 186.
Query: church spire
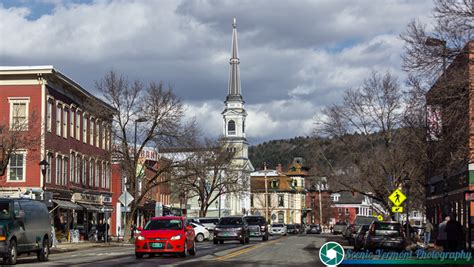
column 234, row 92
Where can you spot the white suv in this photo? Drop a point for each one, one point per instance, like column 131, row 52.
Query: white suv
column 278, row 229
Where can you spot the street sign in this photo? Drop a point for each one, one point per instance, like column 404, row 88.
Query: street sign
column 397, row 209
column 126, row 196
column 397, row 197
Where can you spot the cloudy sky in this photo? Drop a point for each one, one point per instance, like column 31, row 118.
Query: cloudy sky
column 296, row 56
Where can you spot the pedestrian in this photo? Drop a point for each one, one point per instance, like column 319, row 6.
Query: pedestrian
column 100, row 230
column 442, row 240
column 427, row 232
column 455, row 235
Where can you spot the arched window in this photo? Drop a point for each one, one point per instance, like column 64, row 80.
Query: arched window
column 231, row 127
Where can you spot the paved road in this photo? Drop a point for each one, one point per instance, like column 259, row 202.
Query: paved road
column 119, row 256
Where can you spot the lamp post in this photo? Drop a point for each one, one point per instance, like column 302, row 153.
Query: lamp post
column 266, row 191
column 135, row 156
column 406, row 182
column 44, row 165
column 430, row 41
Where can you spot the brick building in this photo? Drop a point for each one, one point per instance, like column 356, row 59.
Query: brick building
column 450, row 117
column 71, row 131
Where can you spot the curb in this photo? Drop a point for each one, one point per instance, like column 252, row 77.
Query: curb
column 73, row 247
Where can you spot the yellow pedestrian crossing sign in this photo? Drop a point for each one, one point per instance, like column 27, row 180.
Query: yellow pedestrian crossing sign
column 397, row 209
column 397, row 197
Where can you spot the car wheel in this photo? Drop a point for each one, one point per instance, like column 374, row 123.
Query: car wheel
column 211, row 236
column 12, row 254
column 247, row 239
column 221, row 242
column 242, row 240
column 192, row 251
column 43, row 254
column 200, row 238
column 138, row 255
column 265, row 238
column 215, row 241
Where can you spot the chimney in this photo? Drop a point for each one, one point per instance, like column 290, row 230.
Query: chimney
column 278, row 168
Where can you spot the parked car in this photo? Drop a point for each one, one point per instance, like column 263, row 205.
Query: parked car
column 385, row 235
column 339, row 228
column 314, row 229
column 200, row 231
column 292, row 229
column 25, row 227
column 360, row 237
column 232, row 228
column 278, row 229
column 359, row 221
column 348, row 231
column 208, row 222
column 170, row 234
column 257, row 227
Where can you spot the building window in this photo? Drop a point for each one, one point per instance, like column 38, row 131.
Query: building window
column 78, row 125
column 357, row 211
column 96, row 134
column 72, row 129
column 84, row 171
column 91, row 172
column 347, row 211
column 251, row 200
column 281, row 200
column 17, row 167
column 91, row 131
column 59, row 167
column 243, row 126
column 335, row 197
column 49, row 116
column 72, row 170
column 58, row 119
column 231, row 127
column 49, row 159
column 97, row 174
column 104, row 136
column 65, row 117
column 84, row 128
column 19, row 114
column 281, row 217
column 77, row 168
column 65, row 171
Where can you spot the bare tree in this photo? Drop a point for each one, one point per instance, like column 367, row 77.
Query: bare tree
column 369, row 124
column 209, row 172
column 147, row 116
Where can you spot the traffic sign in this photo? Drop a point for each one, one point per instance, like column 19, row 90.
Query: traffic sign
column 125, row 198
column 397, row 209
column 397, row 197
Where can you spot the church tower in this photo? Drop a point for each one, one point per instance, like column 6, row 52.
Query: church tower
column 234, row 116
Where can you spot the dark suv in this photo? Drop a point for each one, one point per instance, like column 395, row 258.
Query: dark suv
column 384, row 235
column 257, row 227
column 232, row 228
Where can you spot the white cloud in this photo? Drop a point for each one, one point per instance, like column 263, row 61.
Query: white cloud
column 291, row 65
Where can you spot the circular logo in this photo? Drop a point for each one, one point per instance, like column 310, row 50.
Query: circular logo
column 331, row 253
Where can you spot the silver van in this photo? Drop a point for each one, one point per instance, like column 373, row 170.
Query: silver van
column 25, row 227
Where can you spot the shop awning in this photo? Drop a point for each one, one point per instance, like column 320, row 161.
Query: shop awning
column 65, row 204
column 90, row 207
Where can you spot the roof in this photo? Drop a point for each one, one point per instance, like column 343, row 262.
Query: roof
column 348, row 198
column 50, row 70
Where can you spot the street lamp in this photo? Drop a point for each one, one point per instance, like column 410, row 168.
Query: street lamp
column 135, row 156
column 44, row 165
column 430, row 41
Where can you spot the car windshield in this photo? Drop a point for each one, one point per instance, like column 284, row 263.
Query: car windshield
column 387, row 228
column 164, row 225
column 291, row 226
column 255, row 220
column 4, row 210
column 277, row 225
column 214, row 221
column 230, row 221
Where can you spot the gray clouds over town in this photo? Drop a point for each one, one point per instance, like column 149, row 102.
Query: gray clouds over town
column 295, row 56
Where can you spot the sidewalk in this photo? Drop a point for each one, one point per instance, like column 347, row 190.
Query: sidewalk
column 68, row 247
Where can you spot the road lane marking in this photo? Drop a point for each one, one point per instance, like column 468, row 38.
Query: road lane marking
column 247, row 249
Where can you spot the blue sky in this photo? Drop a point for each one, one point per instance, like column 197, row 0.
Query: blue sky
column 296, row 56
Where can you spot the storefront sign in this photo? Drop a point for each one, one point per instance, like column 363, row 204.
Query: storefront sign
column 86, row 198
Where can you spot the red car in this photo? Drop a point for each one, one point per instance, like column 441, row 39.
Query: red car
column 169, row 234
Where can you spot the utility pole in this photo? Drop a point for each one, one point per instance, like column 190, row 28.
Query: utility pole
column 266, row 191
